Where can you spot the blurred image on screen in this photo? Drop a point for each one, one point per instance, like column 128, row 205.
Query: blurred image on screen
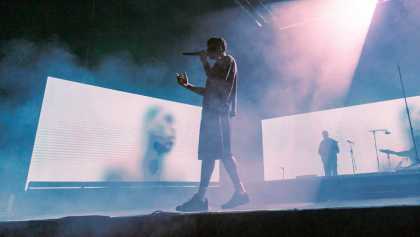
column 91, row 134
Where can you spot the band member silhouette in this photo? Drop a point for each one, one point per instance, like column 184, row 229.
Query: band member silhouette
column 328, row 150
column 219, row 105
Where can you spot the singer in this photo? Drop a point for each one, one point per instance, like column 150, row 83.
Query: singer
column 219, row 105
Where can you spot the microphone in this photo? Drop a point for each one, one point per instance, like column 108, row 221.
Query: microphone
column 386, row 131
column 195, row 53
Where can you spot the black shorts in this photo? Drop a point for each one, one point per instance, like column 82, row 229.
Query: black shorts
column 215, row 139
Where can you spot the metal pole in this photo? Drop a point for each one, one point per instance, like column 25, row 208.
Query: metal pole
column 282, row 168
column 408, row 111
column 353, row 162
column 376, row 147
column 389, row 160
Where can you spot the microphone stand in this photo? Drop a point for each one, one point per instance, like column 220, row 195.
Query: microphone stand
column 407, row 111
column 388, row 156
column 353, row 161
column 374, row 131
column 282, row 169
column 376, row 146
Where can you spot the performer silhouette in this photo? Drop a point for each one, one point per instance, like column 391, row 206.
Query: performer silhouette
column 328, row 150
column 219, row 105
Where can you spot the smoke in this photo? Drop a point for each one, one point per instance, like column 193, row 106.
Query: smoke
column 302, row 59
column 392, row 40
column 315, row 55
column 280, row 72
column 24, row 68
column 284, row 70
column 297, row 62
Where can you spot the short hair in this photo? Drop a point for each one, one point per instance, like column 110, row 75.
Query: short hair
column 219, row 42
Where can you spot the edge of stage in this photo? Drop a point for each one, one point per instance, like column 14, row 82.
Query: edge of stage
column 400, row 184
column 385, row 221
column 363, row 203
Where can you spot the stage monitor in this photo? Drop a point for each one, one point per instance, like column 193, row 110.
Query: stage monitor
column 291, row 144
column 92, row 134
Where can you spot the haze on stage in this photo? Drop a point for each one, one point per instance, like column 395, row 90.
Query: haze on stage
column 92, row 134
column 291, row 143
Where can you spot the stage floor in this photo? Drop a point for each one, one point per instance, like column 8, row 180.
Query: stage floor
column 306, row 220
column 385, row 202
column 365, row 190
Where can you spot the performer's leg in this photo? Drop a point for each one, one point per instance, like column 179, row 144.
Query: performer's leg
column 334, row 167
column 198, row 202
column 229, row 161
column 240, row 196
column 231, row 167
column 325, row 165
column 329, row 167
column 207, row 167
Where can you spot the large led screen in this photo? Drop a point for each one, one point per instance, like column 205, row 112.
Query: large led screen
column 291, row 144
column 88, row 134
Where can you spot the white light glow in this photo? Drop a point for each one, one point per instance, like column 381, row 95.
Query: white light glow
column 292, row 142
column 354, row 14
column 322, row 41
column 87, row 134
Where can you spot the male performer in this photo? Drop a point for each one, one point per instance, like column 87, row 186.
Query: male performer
column 328, row 150
column 219, row 105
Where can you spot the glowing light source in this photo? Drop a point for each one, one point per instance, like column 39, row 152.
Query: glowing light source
column 323, row 41
column 354, row 14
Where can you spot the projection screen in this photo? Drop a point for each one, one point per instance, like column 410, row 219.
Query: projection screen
column 290, row 144
column 92, row 134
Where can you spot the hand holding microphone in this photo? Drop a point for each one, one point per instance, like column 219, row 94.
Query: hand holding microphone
column 182, row 79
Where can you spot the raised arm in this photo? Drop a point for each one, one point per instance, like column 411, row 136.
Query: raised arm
column 182, row 79
column 196, row 89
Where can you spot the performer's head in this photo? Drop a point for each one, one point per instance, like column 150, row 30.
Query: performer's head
column 216, row 47
column 325, row 134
